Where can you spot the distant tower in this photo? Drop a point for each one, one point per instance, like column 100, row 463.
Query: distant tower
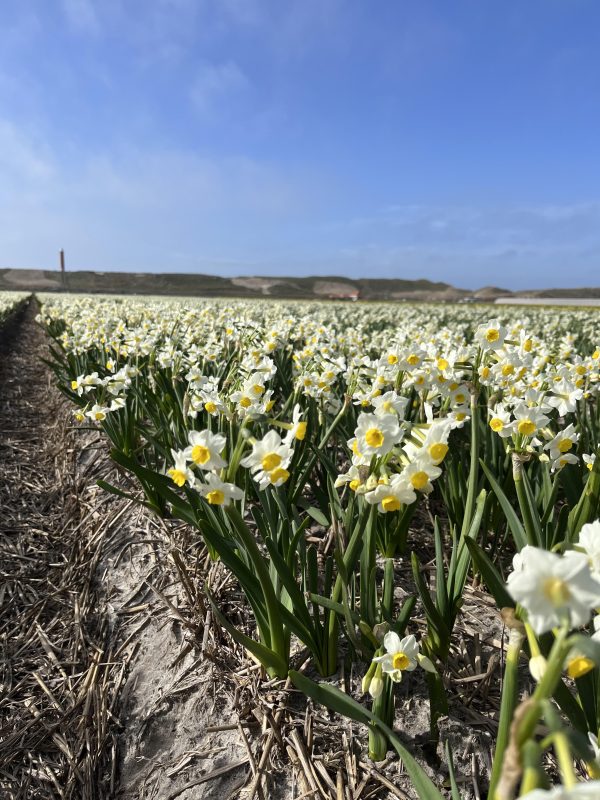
column 62, row 268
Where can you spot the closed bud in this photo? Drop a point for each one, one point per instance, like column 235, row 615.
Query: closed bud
column 537, row 667
column 376, row 687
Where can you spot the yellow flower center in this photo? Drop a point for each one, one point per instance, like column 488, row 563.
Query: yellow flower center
column 579, row 665
column 354, row 484
column 496, row 424
column 413, row 360
column 391, row 503
column 442, row 363
column 557, row 591
column 419, row 479
column 438, row 452
column 492, row 335
column 270, row 462
column 527, row 345
column 526, row 427
column 216, row 497
column 374, row 437
column 300, row 431
column 279, row 474
column 210, row 407
column 245, row 402
column 177, row 476
column 485, row 373
column 200, row 454
column 258, row 389
column 460, row 398
column 507, row 370
column 400, row 661
column 73, row 385
column 392, row 359
column 99, row 416
column 565, row 445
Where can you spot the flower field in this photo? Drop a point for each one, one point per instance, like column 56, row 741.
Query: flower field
column 360, row 474
column 9, row 303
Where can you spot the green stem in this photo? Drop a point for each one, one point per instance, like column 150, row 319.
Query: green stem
column 368, row 513
column 565, row 759
column 474, row 464
column 510, row 689
column 526, row 511
column 278, row 639
column 545, row 687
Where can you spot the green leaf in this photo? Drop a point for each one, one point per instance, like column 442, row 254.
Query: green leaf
column 271, row 660
column 517, row 529
column 491, row 577
column 339, row 701
column 313, row 512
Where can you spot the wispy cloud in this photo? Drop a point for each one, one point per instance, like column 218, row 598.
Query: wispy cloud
column 81, row 15
column 22, row 158
column 215, row 85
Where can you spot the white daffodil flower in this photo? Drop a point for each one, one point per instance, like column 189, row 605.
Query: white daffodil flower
column 205, row 449
column 97, row 413
column 490, row 336
column 180, row 472
column 551, row 587
column 589, row 543
column 375, row 436
column 269, row 460
column 217, row 492
column 297, row 430
column 401, row 655
column 393, row 495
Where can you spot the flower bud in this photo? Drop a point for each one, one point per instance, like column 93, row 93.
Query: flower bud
column 380, row 630
column 426, row 663
column 376, row 687
column 537, row 667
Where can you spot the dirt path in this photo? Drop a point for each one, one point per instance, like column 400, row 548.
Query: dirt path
column 57, row 735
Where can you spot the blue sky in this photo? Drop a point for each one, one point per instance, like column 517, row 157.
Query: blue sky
column 454, row 140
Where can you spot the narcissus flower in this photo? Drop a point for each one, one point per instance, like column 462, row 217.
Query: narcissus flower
column 393, row 495
column 217, row 492
column 402, row 655
column 269, row 460
column 552, row 588
column 500, row 421
column 589, row 543
column 180, row 473
column 490, row 336
column 205, row 449
column 375, row 436
column 97, row 413
column 297, row 430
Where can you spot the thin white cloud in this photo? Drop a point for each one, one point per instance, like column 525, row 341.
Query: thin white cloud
column 216, row 84
column 21, row 157
column 81, row 15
